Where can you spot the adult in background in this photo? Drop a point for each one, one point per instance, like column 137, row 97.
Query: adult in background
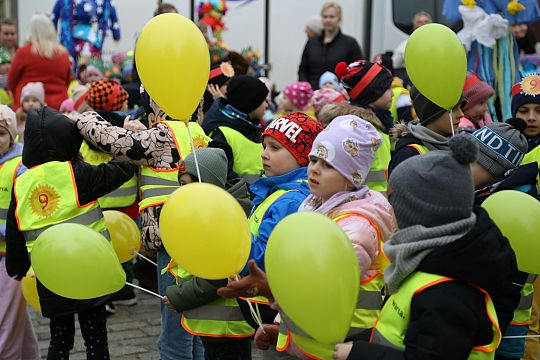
column 41, row 59
column 323, row 52
column 421, row 18
column 313, row 27
column 8, row 35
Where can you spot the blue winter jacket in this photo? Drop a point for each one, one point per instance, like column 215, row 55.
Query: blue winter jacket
column 287, row 204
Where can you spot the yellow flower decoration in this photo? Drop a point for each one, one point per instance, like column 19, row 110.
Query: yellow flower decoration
column 514, row 6
column 469, row 3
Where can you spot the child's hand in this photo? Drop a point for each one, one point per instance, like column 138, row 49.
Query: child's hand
column 342, row 351
column 263, row 340
column 169, row 305
column 134, row 125
column 254, row 284
column 215, row 91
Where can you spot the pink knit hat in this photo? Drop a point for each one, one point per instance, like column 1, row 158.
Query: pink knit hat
column 349, row 145
column 66, row 106
column 325, row 96
column 475, row 91
column 299, row 93
column 34, row 89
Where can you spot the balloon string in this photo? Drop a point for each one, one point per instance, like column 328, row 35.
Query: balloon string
column 145, row 290
column 452, row 123
column 521, row 337
column 255, row 314
column 144, row 257
column 194, row 152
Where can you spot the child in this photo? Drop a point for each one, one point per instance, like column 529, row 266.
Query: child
column 432, row 132
column 52, row 145
column 296, row 97
column 17, row 338
column 6, row 96
column 450, row 263
column 329, row 80
column 32, row 97
column 323, row 97
column 502, row 147
column 339, row 163
column 227, row 336
column 476, row 115
column 234, row 124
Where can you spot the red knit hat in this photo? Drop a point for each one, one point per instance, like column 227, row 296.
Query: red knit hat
column 475, row 91
column 106, row 95
column 296, row 132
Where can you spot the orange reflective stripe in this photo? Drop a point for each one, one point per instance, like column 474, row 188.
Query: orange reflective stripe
column 253, row 300
column 416, row 147
column 176, row 143
column 433, row 283
column 287, row 343
column 373, row 330
column 311, row 356
column 495, row 323
column 169, row 266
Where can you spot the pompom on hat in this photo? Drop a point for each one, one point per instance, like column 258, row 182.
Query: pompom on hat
column 364, row 81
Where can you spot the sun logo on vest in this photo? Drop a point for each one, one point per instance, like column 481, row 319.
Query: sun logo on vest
column 44, row 201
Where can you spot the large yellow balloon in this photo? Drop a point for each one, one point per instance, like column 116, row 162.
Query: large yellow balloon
column 76, row 262
column 29, row 290
column 313, row 274
column 437, row 64
column 205, row 230
column 173, row 62
column 517, row 216
column 125, row 234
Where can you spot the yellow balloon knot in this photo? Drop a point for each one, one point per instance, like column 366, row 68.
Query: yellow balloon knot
column 469, row 3
column 514, row 6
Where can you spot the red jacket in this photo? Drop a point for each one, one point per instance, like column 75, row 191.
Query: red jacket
column 55, row 74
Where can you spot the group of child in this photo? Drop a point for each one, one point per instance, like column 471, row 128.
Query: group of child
column 413, row 221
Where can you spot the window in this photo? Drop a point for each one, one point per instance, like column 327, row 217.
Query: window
column 404, row 11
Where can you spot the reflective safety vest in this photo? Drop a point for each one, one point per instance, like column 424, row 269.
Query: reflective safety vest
column 522, row 314
column 44, row 200
column 247, row 161
column 125, row 195
column 368, row 306
column 220, row 318
column 254, row 221
column 8, row 173
column 377, row 178
column 532, row 156
column 158, row 184
column 422, row 149
column 392, row 325
column 397, row 91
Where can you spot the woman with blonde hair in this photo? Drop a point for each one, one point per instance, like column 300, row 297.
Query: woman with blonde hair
column 41, row 59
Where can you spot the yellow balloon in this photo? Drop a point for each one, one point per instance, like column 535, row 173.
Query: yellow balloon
column 125, row 234
column 205, row 230
column 29, row 290
column 173, row 62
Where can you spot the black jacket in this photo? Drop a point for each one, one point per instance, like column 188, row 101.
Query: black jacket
column 50, row 136
column 319, row 57
column 402, row 151
column 448, row 319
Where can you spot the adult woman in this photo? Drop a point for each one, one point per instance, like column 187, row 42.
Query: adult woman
column 323, row 52
column 42, row 59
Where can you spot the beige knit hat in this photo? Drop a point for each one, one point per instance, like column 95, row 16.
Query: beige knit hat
column 8, row 121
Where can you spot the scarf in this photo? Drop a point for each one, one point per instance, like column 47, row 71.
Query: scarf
column 430, row 138
column 408, row 247
column 314, row 203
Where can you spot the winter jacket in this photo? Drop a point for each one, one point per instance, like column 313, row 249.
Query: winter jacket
column 223, row 114
column 319, row 57
column 295, row 182
column 470, row 126
column 360, row 231
column 449, row 318
column 239, row 189
column 50, row 136
column 154, row 147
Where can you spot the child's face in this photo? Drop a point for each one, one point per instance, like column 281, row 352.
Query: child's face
column 444, row 124
column 185, row 179
column 384, row 102
column 329, row 85
column 480, row 175
column 476, row 111
column 5, row 140
column 531, row 114
column 276, row 159
column 30, row 103
column 259, row 111
column 287, row 104
column 4, row 68
column 90, row 78
column 324, row 180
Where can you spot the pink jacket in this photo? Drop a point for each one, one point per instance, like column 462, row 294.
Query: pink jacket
column 470, row 126
column 373, row 209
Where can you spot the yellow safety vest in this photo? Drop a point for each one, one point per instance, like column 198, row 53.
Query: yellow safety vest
column 395, row 316
column 522, row 314
column 125, row 195
column 44, row 200
column 532, row 156
column 422, row 149
column 397, row 91
column 377, row 178
column 220, row 318
column 246, row 154
column 8, row 173
column 368, row 307
column 158, row 184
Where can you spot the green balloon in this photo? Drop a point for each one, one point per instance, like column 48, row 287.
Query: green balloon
column 436, row 63
column 517, row 214
column 313, row 274
column 76, row 262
